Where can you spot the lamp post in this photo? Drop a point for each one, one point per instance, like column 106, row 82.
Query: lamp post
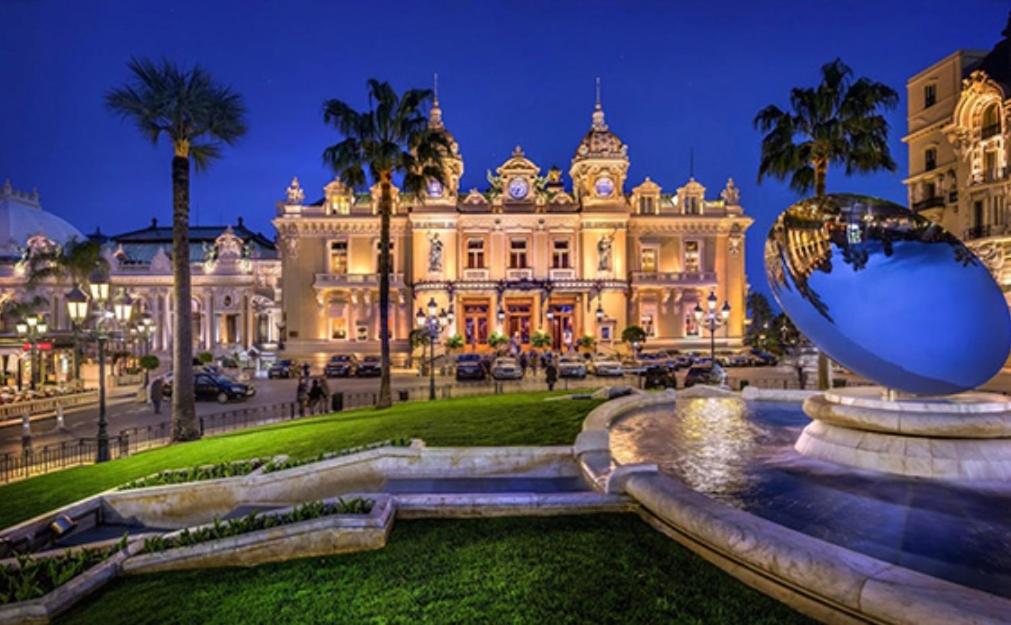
column 31, row 329
column 434, row 323
column 713, row 319
column 120, row 312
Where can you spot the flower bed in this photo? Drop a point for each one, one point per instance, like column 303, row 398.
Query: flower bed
column 33, row 577
column 254, row 522
column 289, row 463
column 196, row 474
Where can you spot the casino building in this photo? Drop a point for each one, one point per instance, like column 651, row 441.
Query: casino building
column 529, row 253
column 959, row 141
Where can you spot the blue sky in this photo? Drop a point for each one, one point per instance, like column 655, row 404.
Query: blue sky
column 676, row 77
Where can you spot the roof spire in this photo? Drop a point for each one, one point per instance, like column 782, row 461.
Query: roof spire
column 598, row 110
column 435, row 116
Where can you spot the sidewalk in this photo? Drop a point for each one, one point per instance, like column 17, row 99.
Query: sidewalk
column 116, row 396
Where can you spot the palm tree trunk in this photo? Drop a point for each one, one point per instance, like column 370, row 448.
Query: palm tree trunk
column 820, row 173
column 385, row 208
column 184, row 416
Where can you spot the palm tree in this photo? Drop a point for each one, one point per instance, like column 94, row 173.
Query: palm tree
column 74, row 261
column 196, row 115
column 391, row 138
column 838, row 122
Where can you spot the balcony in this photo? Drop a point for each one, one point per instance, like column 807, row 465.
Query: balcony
column 353, row 280
column 674, row 278
column 566, row 273
column 520, row 274
column 976, row 232
column 931, row 202
column 475, row 274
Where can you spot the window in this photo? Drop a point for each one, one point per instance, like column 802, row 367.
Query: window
column 560, row 254
column 339, row 257
column 647, row 206
column 517, row 253
column 990, row 165
column 338, row 328
column 691, row 205
column 929, row 190
column 929, row 95
column 691, row 327
column 339, row 205
column 647, row 261
column 998, row 210
column 475, row 253
column 991, row 121
column 379, row 254
column 929, row 159
column 691, row 263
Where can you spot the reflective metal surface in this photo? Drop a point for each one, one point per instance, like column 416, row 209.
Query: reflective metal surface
column 888, row 294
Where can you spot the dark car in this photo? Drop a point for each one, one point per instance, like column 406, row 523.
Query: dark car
column 369, row 367
column 340, row 366
column 470, row 367
column 219, row 388
column 659, row 376
column 712, row 375
column 282, row 369
column 762, row 358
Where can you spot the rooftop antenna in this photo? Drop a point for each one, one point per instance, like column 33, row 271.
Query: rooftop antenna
column 435, row 88
column 597, row 100
column 691, row 162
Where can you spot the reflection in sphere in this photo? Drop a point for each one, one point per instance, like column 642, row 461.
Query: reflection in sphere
column 888, row 294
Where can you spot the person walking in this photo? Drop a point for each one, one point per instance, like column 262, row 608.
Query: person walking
column 305, row 370
column 302, row 396
column 550, row 375
column 315, row 397
column 157, row 394
column 535, row 358
column 523, row 363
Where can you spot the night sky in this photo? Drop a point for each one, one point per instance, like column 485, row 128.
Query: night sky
column 675, row 77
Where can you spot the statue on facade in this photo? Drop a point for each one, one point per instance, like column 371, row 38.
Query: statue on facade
column 434, row 254
column 604, row 253
column 294, row 192
column 731, row 194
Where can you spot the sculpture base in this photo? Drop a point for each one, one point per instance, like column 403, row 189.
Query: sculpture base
column 964, row 436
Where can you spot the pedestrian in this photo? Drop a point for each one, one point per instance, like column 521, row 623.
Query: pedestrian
column 305, row 369
column 302, row 396
column 523, row 363
column 535, row 357
column 551, row 375
column 157, row 394
column 801, row 375
column 315, row 397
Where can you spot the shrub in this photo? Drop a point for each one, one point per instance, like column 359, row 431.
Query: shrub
column 197, row 474
column 280, row 465
column 35, row 577
column 205, row 357
column 540, row 339
column 149, row 362
column 253, row 522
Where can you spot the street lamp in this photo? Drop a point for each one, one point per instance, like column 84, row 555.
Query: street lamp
column 434, row 323
column 31, row 329
column 713, row 320
column 77, row 309
column 600, row 313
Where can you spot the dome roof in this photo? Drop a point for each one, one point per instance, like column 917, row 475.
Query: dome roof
column 600, row 142
column 22, row 217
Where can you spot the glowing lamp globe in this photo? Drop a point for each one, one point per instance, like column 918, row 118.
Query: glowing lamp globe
column 888, row 294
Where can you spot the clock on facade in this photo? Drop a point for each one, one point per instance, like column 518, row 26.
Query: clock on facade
column 434, row 188
column 604, row 186
column 518, row 188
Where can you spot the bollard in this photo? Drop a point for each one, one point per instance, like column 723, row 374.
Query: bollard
column 26, row 433
column 201, row 426
column 60, row 425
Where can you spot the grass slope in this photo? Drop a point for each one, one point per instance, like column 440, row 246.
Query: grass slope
column 511, row 419
column 583, row 569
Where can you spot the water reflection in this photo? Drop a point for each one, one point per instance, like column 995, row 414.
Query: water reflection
column 888, row 293
column 743, row 455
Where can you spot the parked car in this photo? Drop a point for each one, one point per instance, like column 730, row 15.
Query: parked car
column 659, row 376
column 683, row 361
column 713, row 375
column 572, row 367
column 369, row 367
column 282, row 369
column 340, row 366
column 762, row 358
column 207, row 386
column 506, row 369
column 606, row 365
column 470, row 367
column 740, row 359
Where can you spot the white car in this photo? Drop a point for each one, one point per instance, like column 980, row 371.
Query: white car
column 506, row 369
column 571, row 367
column 605, row 365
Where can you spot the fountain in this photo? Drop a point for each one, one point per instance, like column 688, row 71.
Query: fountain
column 898, row 300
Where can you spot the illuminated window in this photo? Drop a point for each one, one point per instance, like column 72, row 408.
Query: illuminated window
column 339, row 328
column 560, row 254
column 691, row 263
column 339, row 205
column 475, row 253
column 691, row 327
column 517, row 253
column 929, row 96
column 647, row 261
column 339, row 257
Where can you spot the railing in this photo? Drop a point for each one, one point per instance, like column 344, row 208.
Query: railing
column 936, row 201
column 695, row 277
column 47, row 404
column 562, row 274
column 334, row 280
column 475, row 274
column 519, row 274
column 976, row 232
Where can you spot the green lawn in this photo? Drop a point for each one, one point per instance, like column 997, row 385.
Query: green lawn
column 510, row 419
column 582, row 569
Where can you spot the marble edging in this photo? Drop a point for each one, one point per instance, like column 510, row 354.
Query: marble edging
column 820, row 579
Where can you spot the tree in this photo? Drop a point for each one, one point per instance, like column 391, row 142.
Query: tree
column 74, row 261
column 632, row 335
column 391, row 138
column 148, row 362
column 759, row 333
column 197, row 115
column 838, row 122
column 419, row 337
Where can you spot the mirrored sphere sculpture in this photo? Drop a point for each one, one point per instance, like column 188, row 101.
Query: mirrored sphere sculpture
column 888, row 294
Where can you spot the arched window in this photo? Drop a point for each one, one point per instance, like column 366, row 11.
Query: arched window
column 990, row 124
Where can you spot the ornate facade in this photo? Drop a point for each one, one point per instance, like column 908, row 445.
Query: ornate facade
column 959, row 141
column 527, row 254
